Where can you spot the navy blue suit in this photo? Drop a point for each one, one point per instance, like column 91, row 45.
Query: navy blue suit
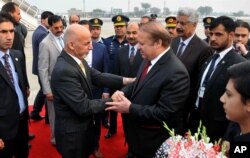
column 39, row 34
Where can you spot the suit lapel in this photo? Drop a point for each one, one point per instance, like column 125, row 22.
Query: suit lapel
column 53, row 40
column 75, row 65
column 220, row 67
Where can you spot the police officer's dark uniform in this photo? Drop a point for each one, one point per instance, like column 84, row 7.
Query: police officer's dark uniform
column 112, row 43
column 206, row 23
column 96, row 22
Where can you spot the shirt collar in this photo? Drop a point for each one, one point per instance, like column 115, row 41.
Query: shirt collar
column 186, row 42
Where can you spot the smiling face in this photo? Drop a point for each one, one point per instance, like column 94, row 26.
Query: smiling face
column 234, row 108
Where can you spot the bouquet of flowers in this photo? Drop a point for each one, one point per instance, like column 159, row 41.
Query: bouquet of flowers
column 190, row 146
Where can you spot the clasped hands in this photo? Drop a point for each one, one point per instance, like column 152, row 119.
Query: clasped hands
column 120, row 103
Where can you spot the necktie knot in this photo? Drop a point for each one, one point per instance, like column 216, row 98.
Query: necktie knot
column 145, row 70
column 8, row 67
column 180, row 50
column 6, row 56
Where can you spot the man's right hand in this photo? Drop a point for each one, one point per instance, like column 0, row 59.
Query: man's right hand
column 49, row 96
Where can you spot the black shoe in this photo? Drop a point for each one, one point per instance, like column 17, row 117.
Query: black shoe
column 109, row 135
column 106, row 125
column 36, row 117
column 31, row 136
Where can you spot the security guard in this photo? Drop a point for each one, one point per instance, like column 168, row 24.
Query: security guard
column 96, row 28
column 113, row 43
column 171, row 26
column 206, row 23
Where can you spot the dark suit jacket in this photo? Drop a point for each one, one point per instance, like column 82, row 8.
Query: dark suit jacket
column 211, row 109
column 9, row 105
column 160, row 97
column 100, row 61
column 122, row 63
column 74, row 106
column 39, row 34
column 193, row 57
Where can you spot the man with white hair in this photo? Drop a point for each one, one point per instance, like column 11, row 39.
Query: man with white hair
column 190, row 49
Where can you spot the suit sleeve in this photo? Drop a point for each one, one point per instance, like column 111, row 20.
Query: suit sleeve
column 43, row 67
column 105, row 65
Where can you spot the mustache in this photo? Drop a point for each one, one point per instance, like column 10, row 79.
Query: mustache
column 179, row 30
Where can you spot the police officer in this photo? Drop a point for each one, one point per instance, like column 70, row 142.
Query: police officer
column 206, row 23
column 113, row 43
column 171, row 26
column 96, row 29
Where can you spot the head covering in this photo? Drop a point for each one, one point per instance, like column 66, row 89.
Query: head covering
column 153, row 16
column 170, row 21
column 96, row 22
column 120, row 20
column 207, row 21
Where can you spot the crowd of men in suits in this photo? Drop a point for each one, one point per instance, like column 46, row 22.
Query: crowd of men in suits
column 169, row 74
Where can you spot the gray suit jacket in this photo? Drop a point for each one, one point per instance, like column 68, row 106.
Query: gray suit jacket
column 49, row 50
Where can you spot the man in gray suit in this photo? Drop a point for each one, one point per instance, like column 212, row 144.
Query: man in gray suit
column 50, row 48
column 71, row 83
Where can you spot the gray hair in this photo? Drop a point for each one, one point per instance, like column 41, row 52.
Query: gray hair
column 192, row 14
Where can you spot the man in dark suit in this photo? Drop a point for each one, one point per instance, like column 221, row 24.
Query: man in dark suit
column 113, row 43
column 97, row 58
column 191, row 50
column 71, row 84
column 158, row 94
column 13, row 95
column 128, row 60
column 213, row 78
column 39, row 34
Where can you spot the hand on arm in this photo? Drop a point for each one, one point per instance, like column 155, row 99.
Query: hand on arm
column 127, row 80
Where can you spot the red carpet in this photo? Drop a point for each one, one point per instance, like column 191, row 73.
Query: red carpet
column 41, row 147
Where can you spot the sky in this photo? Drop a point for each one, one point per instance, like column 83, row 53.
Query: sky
column 62, row 6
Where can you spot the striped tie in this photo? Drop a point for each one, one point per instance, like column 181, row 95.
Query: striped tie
column 8, row 68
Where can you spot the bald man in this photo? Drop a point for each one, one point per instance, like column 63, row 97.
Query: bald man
column 71, row 83
column 74, row 19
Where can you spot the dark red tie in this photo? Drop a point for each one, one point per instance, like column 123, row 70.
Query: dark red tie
column 8, row 68
column 145, row 70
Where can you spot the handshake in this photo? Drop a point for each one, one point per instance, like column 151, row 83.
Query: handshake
column 120, row 103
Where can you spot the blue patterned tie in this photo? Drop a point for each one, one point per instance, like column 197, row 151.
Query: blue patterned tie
column 132, row 55
column 8, row 68
column 180, row 50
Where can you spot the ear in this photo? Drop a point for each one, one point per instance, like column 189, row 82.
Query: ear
column 158, row 43
column 248, row 105
column 70, row 45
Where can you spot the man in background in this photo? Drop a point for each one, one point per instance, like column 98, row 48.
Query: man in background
column 49, row 49
column 113, row 43
column 96, row 29
column 241, row 38
column 38, row 35
column 206, row 23
column 191, row 50
column 127, row 63
column 171, row 26
column 74, row 19
column 145, row 19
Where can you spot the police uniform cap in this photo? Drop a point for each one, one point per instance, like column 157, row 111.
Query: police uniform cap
column 153, row 16
column 170, row 21
column 120, row 20
column 96, row 22
column 207, row 21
